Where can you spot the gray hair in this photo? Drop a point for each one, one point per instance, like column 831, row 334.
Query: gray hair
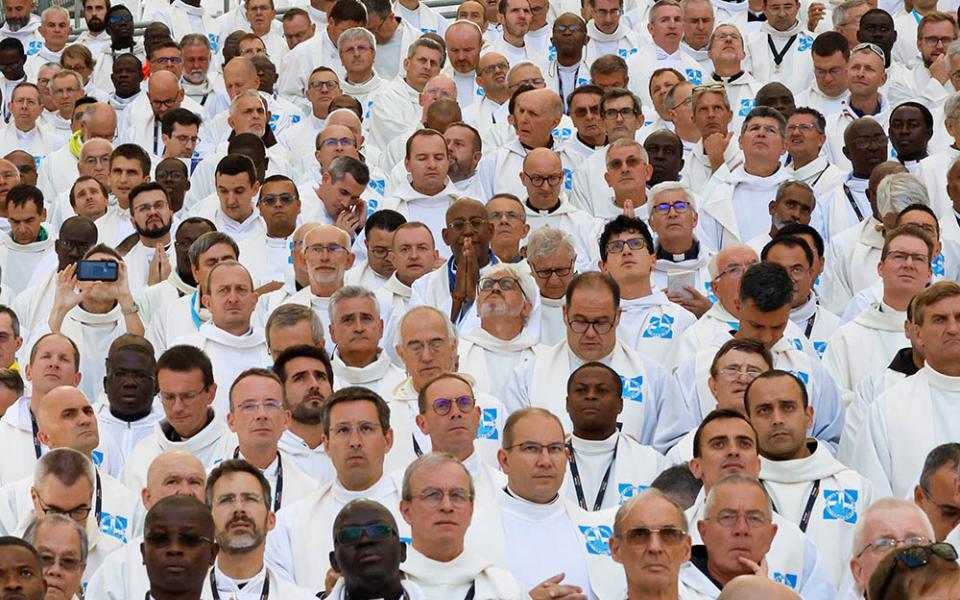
column 785, row 185
column 69, row 73
column 944, row 455
column 623, row 143
column 245, row 94
column 726, row 26
column 840, row 12
column 735, row 479
column 30, row 534
column 953, row 51
column 670, row 186
column 360, row 33
column 685, row 3
column 195, row 39
column 646, row 495
column 55, row 9
column 546, row 240
column 528, row 287
column 888, row 504
column 766, row 112
column 351, row 291
column 451, row 330
column 66, row 464
column 425, row 42
column 207, row 241
column 660, row 4
column 898, row 191
column 431, row 460
column 523, row 63
column 288, row 315
column 952, row 106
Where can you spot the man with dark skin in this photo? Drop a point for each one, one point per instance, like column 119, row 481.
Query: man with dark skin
column 20, row 570
column 266, row 71
column 26, row 164
column 171, row 173
column 778, row 96
column 77, row 235
column 569, row 44
column 130, row 381
column 366, row 528
column 120, row 28
column 178, row 548
column 279, row 214
column 12, row 59
column 126, row 75
column 876, row 27
column 911, row 127
column 189, row 232
column 468, row 234
column 862, row 144
column 665, row 151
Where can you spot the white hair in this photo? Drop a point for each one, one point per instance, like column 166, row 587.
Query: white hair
column 527, row 285
column 888, row 505
column 669, row 186
column 898, row 191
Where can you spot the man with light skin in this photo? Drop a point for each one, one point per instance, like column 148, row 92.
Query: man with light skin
column 438, row 529
column 698, row 25
column 24, row 132
column 298, row 27
column 357, row 429
column 756, row 587
column 396, row 104
column 141, row 121
column 535, row 114
column 928, row 83
column 806, row 136
column 464, row 145
column 54, row 30
column 628, row 171
column 475, row 12
column 439, row 90
column 937, row 491
column 887, row 524
column 62, row 546
column 515, row 18
column 323, row 86
column 791, row 64
column 791, row 465
column 726, row 56
column 464, row 41
column 607, row 33
column 716, row 145
column 327, row 257
column 830, row 53
column 491, row 75
column 650, row 540
column 552, row 256
column 28, row 243
column 98, row 121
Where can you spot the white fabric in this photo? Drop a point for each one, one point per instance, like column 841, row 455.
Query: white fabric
column 796, row 70
column 652, row 324
column 490, row 360
column 635, row 468
column 736, row 209
column 851, row 264
column 19, row 261
column 452, row 579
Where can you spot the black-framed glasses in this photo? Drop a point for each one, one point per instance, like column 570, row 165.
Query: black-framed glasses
column 79, row 513
column 443, row 406
column 349, row 536
column 548, row 273
column 613, row 113
column 537, row 180
column 663, row 208
column 915, row 557
column 617, row 246
column 506, row 284
column 581, row 326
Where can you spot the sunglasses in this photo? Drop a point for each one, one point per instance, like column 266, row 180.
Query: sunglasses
column 351, row 535
column 443, row 406
column 915, row 557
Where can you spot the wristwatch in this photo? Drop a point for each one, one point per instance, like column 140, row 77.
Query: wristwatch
column 130, row 311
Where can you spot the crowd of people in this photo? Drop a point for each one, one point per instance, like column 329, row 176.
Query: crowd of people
column 568, row 300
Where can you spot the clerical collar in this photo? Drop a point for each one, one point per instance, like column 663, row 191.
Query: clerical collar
column 698, row 557
column 691, row 254
column 585, row 143
column 543, row 211
column 758, row 17
column 903, row 362
column 727, row 80
column 529, row 148
column 172, row 434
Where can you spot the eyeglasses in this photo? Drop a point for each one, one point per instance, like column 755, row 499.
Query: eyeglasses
column 902, row 257
column 617, row 246
column 581, row 326
column 66, row 563
column 169, row 103
column 632, row 162
column 723, row 37
column 254, row 406
column 534, row 449
column 79, row 513
column 833, row 72
column 501, row 66
column 349, row 536
column 663, row 208
column 641, row 536
column 26, row 101
column 865, row 143
column 733, row 372
column 884, row 545
column 334, row 142
column 145, row 208
column 538, row 180
column 535, row 82
column 504, row 283
column 915, row 557
column 186, row 139
column 935, row 40
column 758, row 127
column 187, row 397
column 460, row 224
column 728, row 519
column 623, row 113
column 735, row 270
column 274, row 199
column 68, row 245
column 378, row 251
column 571, row 28
column 546, row 274
column 187, row 540
column 802, row 127
column 877, row 49
column 324, row 85
column 509, row 215
column 362, row 49
column 443, row 406
column 318, row 249
column 168, row 60
column 433, row 497
column 582, row 111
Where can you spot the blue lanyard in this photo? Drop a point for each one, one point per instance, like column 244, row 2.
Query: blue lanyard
column 193, row 310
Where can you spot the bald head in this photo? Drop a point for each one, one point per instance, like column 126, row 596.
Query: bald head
column 162, row 82
column 541, row 158
column 880, row 172
column 99, row 121
column 303, row 230
column 442, row 113
column 239, row 66
column 171, row 474
column 464, row 202
column 755, row 587
column 56, row 398
column 321, row 230
column 346, row 118
column 96, row 147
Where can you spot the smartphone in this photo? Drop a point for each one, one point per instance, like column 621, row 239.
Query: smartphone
column 97, row 270
column 678, row 281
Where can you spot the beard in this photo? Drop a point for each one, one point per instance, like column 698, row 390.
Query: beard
column 96, row 25
column 306, row 413
column 155, row 233
column 242, row 542
column 458, row 171
column 16, row 23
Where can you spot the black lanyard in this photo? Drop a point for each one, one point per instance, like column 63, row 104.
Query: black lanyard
column 819, row 175
column 778, row 56
column 853, row 202
column 810, row 323
column 560, row 84
column 203, row 100
column 416, row 447
column 406, row 596
column 264, row 591
column 808, row 509
column 156, row 138
column 98, row 510
column 578, row 484
column 36, row 431
column 278, row 489
column 472, row 591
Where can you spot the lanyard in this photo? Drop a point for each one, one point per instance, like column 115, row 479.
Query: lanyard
column 809, row 328
column 819, row 175
column 578, row 484
column 406, row 596
column 472, row 591
column 193, row 309
column 778, row 56
column 560, row 82
column 36, row 430
column 203, row 100
column 99, row 502
column 264, row 591
column 853, row 203
column 416, row 447
column 808, row 509
column 278, row 491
